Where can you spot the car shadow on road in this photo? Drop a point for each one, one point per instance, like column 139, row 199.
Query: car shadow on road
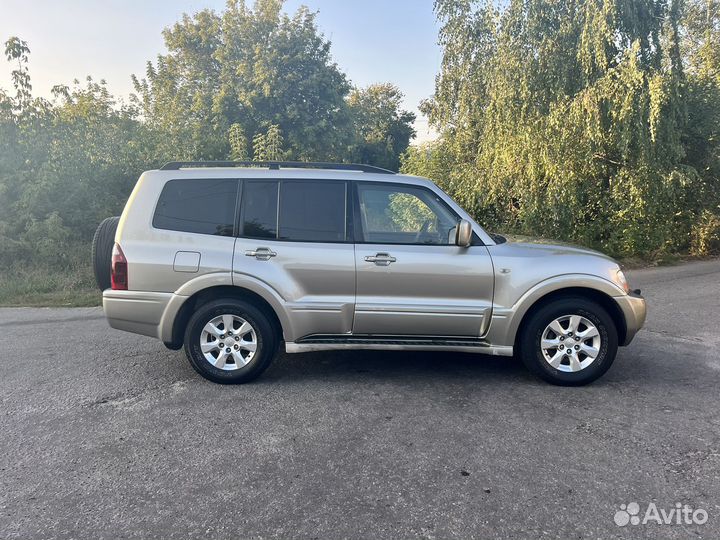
column 390, row 365
column 643, row 366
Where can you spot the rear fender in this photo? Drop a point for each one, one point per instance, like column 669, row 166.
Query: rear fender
column 208, row 281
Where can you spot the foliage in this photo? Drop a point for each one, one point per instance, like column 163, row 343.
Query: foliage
column 574, row 119
column 46, row 284
column 397, row 212
column 269, row 146
column 251, row 67
column 238, row 143
column 408, row 213
column 64, row 166
column 595, row 121
column 272, row 76
column 383, row 131
column 244, row 83
column 706, row 234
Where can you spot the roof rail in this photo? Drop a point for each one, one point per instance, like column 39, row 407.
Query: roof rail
column 277, row 165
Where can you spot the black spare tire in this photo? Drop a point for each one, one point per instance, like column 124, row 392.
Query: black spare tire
column 102, row 246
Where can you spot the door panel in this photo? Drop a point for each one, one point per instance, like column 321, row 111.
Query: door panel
column 428, row 290
column 411, row 278
column 300, row 249
column 315, row 280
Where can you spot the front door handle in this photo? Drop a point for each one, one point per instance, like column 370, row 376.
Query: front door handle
column 261, row 253
column 381, row 259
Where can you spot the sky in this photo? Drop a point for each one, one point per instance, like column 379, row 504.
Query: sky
column 372, row 41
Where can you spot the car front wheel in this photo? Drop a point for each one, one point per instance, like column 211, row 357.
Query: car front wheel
column 570, row 342
column 230, row 341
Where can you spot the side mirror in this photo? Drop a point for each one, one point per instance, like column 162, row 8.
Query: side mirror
column 463, row 236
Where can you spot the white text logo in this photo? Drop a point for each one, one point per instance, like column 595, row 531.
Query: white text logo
column 680, row 514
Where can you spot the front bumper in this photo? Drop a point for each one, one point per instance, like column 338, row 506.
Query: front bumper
column 136, row 311
column 634, row 310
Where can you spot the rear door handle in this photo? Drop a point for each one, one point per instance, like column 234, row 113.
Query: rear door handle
column 261, row 253
column 381, row 259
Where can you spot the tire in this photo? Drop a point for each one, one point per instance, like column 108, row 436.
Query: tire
column 576, row 366
column 230, row 369
column 102, row 246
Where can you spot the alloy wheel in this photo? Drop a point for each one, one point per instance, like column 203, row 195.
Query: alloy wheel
column 570, row 343
column 228, row 342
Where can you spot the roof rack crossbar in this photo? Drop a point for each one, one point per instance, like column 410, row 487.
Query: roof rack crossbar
column 277, row 165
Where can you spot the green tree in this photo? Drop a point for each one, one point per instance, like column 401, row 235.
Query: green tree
column 18, row 50
column 700, row 29
column 269, row 146
column 254, row 67
column 382, row 129
column 64, row 165
column 568, row 118
column 238, row 143
column 701, row 37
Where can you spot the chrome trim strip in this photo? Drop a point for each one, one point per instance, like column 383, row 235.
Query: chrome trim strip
column 315, row 306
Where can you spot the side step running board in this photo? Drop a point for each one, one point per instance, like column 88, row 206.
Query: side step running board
column 326, row 343
column 387, row 340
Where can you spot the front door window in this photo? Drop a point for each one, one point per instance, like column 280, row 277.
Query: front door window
column 404, row 215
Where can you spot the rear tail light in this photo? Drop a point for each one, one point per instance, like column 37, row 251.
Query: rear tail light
column 119, row 272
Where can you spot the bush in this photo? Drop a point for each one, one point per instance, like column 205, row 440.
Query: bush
column 706, row 235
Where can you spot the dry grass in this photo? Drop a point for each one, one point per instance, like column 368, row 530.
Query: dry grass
column 36, row 286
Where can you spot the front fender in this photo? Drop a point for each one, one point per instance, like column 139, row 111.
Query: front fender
column 506, row 319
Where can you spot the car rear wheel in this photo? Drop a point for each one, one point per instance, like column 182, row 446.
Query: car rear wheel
column 570, row 342
column 230, row 341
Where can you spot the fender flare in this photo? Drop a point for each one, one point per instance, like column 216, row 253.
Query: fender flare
column 218, row 279
column 506, row 320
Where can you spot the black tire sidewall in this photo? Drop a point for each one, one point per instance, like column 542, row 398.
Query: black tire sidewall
column 266, row 336
column 532, row 334
column 102, row 246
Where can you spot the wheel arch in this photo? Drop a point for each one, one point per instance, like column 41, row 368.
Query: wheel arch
column 188, row 307
column 601, row 298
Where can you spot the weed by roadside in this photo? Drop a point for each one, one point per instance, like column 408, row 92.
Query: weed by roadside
column 43, row 286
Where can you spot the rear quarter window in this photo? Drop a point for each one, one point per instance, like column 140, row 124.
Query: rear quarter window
column 202, row 206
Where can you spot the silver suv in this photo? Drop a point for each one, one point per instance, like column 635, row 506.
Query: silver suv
column 231, row 259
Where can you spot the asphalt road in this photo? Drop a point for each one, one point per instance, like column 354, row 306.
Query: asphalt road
column 109, row 435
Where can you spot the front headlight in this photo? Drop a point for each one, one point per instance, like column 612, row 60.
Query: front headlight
column 621, row 281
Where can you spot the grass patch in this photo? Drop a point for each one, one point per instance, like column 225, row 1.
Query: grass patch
column 27, row 286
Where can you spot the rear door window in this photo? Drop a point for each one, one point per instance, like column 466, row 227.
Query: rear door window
column 313, row 211
column 202, row 206
column 295, row 210
column 259, row 212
